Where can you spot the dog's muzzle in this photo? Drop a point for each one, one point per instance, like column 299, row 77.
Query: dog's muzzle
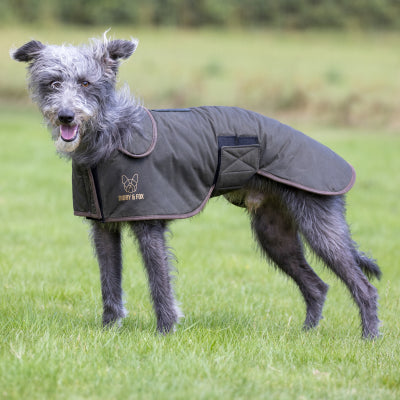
column 69, row 137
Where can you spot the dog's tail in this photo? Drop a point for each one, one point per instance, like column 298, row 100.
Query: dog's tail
column 368, row 265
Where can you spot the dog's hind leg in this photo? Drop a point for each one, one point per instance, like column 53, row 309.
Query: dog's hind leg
column 156, row 258
column 277, row 235
column 323, row 224
column 107, row 244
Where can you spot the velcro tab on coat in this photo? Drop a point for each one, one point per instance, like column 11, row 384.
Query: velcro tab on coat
column 239, row 160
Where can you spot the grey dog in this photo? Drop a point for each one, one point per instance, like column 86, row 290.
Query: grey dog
column 91, row 121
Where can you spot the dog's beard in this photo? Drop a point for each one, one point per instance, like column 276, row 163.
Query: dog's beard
column 66, row 138
column 69, row 145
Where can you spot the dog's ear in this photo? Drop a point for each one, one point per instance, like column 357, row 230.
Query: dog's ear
column 124, row 179
column 28, row 52
column 135, row 178
column 114, row 51
column 121, row 49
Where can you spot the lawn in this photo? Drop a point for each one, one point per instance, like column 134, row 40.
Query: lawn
column 242, row 337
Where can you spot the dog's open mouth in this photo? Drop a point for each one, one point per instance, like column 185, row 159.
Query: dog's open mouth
column 69, row 138
column 69, row 133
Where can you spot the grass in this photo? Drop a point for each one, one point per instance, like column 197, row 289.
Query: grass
column 242, row 337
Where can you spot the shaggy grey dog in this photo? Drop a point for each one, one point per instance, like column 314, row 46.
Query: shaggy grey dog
column 74, row 88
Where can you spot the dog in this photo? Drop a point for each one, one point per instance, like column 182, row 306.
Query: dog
column 91, row 121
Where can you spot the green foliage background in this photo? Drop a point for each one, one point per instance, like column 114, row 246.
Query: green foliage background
column 293, row 14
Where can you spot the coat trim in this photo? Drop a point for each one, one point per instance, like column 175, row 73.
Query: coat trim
column 167, row 217
column 309, row 189
column 152, row 144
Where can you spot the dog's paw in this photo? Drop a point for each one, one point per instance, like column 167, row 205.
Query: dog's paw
column 111, row 318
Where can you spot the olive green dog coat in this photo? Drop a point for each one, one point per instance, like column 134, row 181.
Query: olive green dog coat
column 180, row 158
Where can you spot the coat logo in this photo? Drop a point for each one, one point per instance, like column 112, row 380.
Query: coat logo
column 130, row 187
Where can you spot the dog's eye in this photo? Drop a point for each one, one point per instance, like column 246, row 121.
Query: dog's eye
column 55, row 84
column 85, row 83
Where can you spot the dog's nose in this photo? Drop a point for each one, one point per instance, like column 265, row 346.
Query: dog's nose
column 66, row 116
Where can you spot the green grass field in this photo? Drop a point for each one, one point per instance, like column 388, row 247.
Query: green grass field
column 242, row 337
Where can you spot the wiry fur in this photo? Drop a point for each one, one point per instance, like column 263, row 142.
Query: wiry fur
column 75, row 87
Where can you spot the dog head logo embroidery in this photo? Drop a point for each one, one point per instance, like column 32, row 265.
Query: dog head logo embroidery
column 130, row 185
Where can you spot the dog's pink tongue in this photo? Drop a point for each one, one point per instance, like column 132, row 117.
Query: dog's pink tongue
column 68, row 133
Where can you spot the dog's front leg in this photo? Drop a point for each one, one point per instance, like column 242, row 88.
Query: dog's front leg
column 151, row 239
column 107, row 243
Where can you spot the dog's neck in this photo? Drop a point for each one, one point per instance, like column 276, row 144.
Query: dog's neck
column 112, row 128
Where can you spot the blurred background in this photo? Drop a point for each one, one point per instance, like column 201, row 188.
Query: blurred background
column 311, row 61
column 330, row 68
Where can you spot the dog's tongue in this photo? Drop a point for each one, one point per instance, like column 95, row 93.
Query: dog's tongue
column 68, row 133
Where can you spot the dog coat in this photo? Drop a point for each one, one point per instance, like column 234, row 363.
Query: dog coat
column 180, row 158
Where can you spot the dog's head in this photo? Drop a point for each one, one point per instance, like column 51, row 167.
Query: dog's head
column 130, row 185
column 72, row 85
